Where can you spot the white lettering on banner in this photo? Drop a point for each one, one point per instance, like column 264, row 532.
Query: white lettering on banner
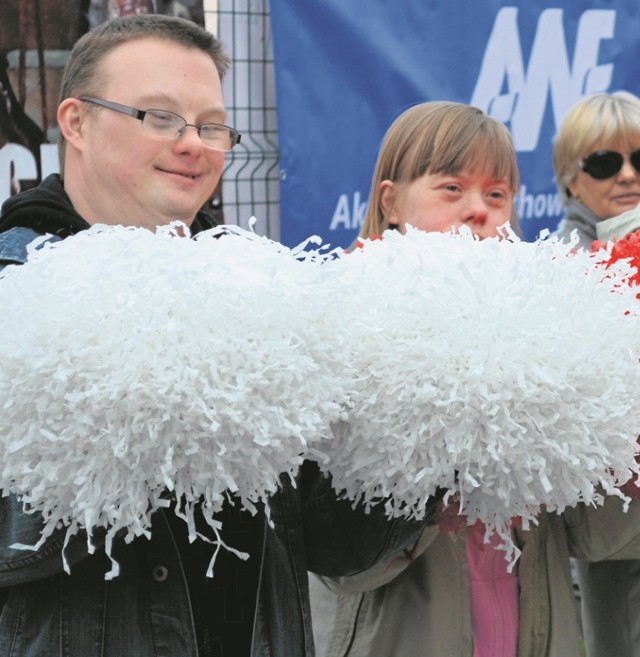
column 345, row 219
column 535, row 206
column 49, row 162
column 523, row 105
column 18, row 163
column 528, row 206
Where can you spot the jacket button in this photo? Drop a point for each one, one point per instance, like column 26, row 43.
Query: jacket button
column 160, row 573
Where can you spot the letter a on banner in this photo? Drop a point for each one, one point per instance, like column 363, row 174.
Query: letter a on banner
column 523, row 105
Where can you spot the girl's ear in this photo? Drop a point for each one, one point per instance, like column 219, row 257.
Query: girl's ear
column 70, row 121
column 388, row 202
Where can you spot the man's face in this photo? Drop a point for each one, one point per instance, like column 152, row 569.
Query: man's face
column 122, row 173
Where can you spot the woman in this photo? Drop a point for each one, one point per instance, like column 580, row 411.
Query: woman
column 442, row 166
column 596, row 160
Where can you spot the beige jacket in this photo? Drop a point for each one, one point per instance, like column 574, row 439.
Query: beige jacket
column 419, row 607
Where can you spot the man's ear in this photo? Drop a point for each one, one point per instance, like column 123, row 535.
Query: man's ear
column 70, row 118
column 388, row 202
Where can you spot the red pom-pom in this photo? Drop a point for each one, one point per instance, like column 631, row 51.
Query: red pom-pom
column 627, row 248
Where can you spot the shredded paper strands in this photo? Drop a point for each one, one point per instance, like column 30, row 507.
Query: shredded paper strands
column 134, row 364
column 504, row 371
column 137, row 365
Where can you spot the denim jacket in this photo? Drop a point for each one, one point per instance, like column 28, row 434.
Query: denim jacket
column 146, row 610
column 13, row 245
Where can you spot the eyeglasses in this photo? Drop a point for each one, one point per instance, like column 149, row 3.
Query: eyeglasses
column 167, row 124
column 605, row 164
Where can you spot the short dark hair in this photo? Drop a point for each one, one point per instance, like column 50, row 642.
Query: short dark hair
column 80, row 75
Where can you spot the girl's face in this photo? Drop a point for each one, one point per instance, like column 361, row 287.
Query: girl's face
column 614, row 195
column 439, row 202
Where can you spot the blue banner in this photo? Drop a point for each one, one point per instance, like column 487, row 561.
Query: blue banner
column 345, row 70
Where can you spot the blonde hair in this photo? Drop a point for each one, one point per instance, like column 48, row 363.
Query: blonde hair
column 598, row 119
column 439, row 137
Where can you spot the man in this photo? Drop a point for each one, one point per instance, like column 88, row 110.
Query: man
column 128, row 157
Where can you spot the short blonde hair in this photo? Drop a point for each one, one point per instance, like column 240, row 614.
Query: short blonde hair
column 597, row 119
column 439, row 137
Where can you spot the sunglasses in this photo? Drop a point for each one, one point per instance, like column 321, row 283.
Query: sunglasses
column 605, row 164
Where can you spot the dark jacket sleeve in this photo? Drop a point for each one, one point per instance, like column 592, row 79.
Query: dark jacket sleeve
column 340, row 539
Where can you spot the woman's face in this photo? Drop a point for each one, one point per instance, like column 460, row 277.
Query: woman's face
column 611, row 196
column 439, row 202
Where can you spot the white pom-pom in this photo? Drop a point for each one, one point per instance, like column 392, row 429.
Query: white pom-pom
column 135, row 363
column 504, row 371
